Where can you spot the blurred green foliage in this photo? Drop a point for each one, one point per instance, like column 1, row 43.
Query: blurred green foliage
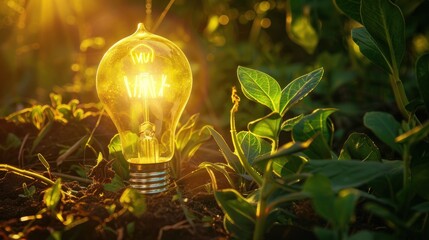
column 55, row 46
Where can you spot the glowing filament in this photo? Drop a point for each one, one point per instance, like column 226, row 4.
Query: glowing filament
column 146, row 86
column 142, row 53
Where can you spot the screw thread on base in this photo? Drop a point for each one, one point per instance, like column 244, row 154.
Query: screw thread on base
column 149, row 178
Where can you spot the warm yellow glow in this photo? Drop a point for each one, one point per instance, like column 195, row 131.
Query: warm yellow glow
column 144, row 81
column 264, row 6
column 223, row 19
column 265, row 22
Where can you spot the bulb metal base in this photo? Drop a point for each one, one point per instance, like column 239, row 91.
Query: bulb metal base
column 149, row 178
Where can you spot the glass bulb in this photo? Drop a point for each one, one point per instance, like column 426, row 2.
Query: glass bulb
column 144, row 82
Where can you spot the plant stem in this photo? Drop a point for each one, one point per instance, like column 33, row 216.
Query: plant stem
column 407, row 162
column 237, row 148
column 27, row 173
column 261, row 211
column 399, row 93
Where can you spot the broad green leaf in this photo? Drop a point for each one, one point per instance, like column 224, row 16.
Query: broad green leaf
column 369, row 48
column 230, row 157
column 311, row 125
column 422, row 74
column 288, row 124
column 120, row 165
column 252, row 145
column 320, row 189
column 359, row 146
column 351, row 8
column 385, row 23
column 298, row 89
column 288, row 165
column 133, row 201
column 348, row 174
column 414, row 135
column 344, row 206
column 385, row 127
column 53, row 195
column 239, row 211
column 259, row 87
column 299, row 26
column 237, row 231
column 266, row 127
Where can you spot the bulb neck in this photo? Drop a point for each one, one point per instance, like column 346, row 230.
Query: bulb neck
column 150, row 178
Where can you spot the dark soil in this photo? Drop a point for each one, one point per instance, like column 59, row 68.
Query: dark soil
column 85, row 209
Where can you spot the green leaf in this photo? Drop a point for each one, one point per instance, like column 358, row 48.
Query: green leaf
column 133, row 201
column 422, row 74
column 53, row 195
column 351, row 8
column 266, row 127
column 385, row 23
column 320, row 189
column 298, row 89
column 369, row 48
column 230, row 157
column 344, row 206
column 184, row 133
column 236, row 231
column 115, row 185
column 309, row 126
column 299, row 27
column 348, row 174
column 288, row 165
column 239, row 211
column 120, row 165
column 287, row 125
column 45, row 163
column 252, row 146
column 385, row 127
column 359, row 146
column 259, row 87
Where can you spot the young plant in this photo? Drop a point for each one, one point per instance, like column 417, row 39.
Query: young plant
column 295, row 170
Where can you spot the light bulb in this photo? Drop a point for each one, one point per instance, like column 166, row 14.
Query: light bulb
column 144, row 82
